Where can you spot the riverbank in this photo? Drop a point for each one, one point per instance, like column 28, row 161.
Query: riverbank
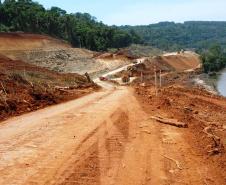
column 215, row 83
column 221, row 83
column 209, row 83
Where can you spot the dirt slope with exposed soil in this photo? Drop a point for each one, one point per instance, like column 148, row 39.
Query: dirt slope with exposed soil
column 110, row 137
column 176, row 63
column 22, row 41
column 183, row 62
column 25, row 87
column 57, row 55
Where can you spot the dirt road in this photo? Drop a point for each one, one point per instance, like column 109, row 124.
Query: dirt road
column 102, row 139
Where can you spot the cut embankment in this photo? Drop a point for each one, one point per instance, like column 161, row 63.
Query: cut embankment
column 183, row 62
column 25, row 87
column 57, row 55
column 22, row 41
column 178, row 62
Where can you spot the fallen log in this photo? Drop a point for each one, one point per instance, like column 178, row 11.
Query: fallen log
column 171, row 122
column 208, row 131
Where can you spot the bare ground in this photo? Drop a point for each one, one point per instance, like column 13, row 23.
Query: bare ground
column 202, row 159
column 103, row 138
column 110, row 138
column 57, row 55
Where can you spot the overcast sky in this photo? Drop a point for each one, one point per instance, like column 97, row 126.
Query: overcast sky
column 140, row 12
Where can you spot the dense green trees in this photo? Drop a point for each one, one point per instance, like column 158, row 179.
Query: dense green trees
column 214, row 59
column 81, row 30
column 174, row 36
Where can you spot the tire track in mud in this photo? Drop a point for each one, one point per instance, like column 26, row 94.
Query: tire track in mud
column 97, row 159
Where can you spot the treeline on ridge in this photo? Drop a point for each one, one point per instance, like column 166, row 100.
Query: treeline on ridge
column 213, row 59
column 79, row 29
column 170, row 36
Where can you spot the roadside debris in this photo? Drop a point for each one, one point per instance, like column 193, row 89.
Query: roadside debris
column 172, row 122
column 217, row 147
column 125, row 79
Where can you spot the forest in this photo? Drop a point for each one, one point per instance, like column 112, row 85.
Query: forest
column 213, row 59
column 79, row 29
column 170, row 36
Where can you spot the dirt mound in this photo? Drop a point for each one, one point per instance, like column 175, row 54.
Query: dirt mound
column 22, row 41
column 25, row 87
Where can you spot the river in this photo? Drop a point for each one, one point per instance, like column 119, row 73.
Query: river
column 221, row 84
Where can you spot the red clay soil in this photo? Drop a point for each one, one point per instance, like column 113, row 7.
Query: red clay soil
column 25, row 87
column 177, row 63
column 202, row 111
column 182, row 62
column 23, row 41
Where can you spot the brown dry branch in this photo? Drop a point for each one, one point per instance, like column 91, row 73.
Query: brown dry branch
column 4, row 90
column 172, row 122
column 217, row 143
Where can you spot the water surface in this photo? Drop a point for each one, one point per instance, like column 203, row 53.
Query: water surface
column 221, row 84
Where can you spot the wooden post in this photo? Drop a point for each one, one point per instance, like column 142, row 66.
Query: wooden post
column 4, row 90
column 160, row 78
column 156, row 88
column 142, row 77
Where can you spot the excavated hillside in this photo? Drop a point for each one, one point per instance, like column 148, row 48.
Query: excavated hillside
column 22, row 41
column 57, row 55
column 172, row 63
column 175, row 62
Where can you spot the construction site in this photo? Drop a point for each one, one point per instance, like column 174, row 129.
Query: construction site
column 71, row 116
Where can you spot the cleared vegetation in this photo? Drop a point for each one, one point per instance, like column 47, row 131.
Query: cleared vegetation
column 25, row 87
